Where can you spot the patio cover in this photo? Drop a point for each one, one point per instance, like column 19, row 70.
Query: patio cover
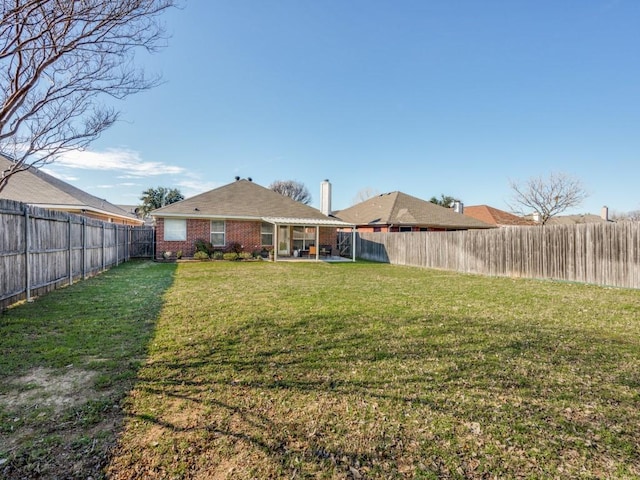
column 311, row 222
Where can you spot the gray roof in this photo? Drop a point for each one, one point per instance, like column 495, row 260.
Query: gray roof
column 241, row 199
column 35, row 187
column 397, row 208
column 576, row 219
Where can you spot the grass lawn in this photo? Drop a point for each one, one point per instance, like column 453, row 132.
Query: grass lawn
column 67, row 361
column 305, row 370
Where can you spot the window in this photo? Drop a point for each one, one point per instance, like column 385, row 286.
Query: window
column 266, row 233
column 217, row 233
column 406, row 229
column 175, row 230
column 303, row 237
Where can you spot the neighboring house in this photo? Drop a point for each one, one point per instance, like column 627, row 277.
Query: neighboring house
column 34, row 187
column 576, row 219
column 136, row 211
column 248, row 214
column 399, row 212
column 495, row 216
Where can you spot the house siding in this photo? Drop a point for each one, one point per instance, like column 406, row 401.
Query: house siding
column 389, row 229
column 196, row 229
column 246, row 233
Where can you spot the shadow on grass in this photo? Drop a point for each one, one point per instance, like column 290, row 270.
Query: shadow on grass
column 326, row 401
column 68, row 360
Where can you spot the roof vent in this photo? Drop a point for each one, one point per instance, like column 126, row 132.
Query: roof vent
column 250, row 179
column 237, row 178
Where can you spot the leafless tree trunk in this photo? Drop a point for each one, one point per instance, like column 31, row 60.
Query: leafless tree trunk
column 364, row 194
column 58, row 58
column 546, row 196
column 292, row 189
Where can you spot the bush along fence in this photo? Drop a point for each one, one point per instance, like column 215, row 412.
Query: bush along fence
column 41, row 250
column 605, row 254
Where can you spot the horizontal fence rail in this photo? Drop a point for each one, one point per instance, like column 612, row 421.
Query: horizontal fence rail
column 605, row 254
column 41, row 250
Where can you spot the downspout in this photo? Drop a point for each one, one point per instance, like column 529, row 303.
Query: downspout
column 317, row 242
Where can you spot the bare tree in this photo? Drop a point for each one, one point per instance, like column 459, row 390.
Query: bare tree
column 292, row 189
column 546, row 196
column 632, row 216
column 57, row 60
column 365, row 194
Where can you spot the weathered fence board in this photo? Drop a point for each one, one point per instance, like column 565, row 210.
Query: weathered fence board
column 598, row 253
column 42, row 249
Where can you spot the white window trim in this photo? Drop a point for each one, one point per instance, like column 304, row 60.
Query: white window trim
column 223, row 232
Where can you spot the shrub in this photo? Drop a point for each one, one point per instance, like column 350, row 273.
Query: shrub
column 234, row 247
column 217, row 255
column 179, row 254
column 200, row 255
column 245, row 256
column 230, row 256
column 204, row 246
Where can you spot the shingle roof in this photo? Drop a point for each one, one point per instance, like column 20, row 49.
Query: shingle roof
column 240, row 199
column 495, row 216
column 35, row 187
column 576, row 219
column 397, row 208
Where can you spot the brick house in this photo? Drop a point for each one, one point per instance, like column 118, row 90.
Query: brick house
column 248, row 214
column 496, row 217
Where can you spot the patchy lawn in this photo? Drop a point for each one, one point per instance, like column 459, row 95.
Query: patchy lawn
column 68, row 360
column 262, row 370
column 305, row 370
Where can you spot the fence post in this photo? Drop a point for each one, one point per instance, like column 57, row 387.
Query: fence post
column 115, row 240
column 127, row 242
column 70, row 252
column 84, row 248
column 27, row 256
column 104, row 247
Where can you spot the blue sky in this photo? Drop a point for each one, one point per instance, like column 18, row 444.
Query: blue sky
column 426, row 97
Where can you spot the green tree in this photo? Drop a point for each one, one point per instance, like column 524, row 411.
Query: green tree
column 153, row 198
column 444, row 200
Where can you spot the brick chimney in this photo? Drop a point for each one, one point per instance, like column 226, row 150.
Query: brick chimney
column 325, row 197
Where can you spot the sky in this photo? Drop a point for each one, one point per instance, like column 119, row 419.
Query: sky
column 426, row 97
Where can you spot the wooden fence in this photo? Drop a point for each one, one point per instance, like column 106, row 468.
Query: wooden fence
column 41, row 250
column 598, row 253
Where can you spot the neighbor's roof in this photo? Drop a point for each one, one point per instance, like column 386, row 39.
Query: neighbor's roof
column 37, row 188
column 242, row 199
column 495, row 216
column 576, row 219
column 397, row 208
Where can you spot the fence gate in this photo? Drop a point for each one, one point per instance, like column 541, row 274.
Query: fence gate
column 142, row 242
column 344, row 244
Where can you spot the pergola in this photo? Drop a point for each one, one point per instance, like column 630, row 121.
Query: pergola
column 310, row 222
